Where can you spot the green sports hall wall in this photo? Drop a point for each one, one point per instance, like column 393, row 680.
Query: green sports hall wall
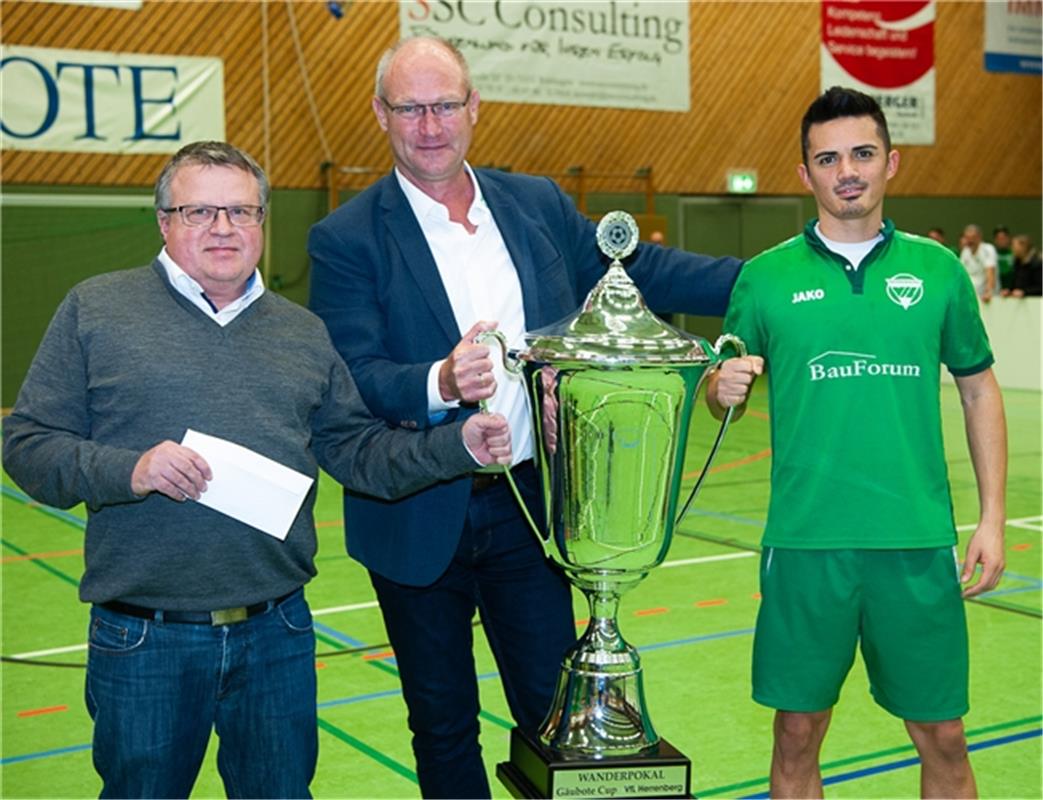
column 47, row 249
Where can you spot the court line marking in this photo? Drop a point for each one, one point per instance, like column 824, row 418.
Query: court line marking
column 684, row 562
column 865, row 772
column 321, row 612
column 862, row 757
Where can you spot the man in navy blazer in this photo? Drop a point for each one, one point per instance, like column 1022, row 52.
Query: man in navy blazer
column 405, row 275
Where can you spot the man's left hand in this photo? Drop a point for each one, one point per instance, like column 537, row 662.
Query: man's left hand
column 488, row 437
column 985, row 548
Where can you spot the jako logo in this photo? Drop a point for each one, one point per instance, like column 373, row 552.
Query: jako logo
column 835, row 364
column 813, row 294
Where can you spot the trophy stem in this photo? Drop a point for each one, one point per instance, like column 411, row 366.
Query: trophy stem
column 599, row 707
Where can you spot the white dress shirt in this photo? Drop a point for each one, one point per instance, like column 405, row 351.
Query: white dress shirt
column 187, row 286
column 482, row 284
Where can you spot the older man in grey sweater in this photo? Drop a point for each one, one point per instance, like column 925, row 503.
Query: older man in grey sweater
column 199, row 620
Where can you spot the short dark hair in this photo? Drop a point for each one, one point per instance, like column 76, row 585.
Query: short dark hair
column 209, row 154
column 836, row 102
column 1001, row 229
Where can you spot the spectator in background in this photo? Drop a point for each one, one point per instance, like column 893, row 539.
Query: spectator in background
column 979, row 259
column 657, row 237
column 1028, row 268
column 1004, row 259
column 937, row 234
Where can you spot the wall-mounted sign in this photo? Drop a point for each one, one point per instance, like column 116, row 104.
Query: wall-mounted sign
column 1014, row 37
column 606, row 53
column 742, row 181
column 884, row 48
column 86, row 101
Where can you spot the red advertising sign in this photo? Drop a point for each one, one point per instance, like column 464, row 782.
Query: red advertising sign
column 884, row 48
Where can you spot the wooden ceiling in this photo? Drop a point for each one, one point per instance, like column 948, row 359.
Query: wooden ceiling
column 754, row 68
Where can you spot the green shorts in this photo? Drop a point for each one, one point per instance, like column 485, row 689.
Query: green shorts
column 902, row 607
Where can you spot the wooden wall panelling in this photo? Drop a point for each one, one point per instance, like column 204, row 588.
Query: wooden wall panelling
column 755, row 66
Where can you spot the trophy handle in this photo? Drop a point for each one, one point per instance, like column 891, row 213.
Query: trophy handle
column 515, row 367
column 740, row 350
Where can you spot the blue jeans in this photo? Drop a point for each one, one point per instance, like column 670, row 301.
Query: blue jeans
column 156, row 690
column 526, row 610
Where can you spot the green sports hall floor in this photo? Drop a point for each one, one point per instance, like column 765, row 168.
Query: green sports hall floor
column 692, row 619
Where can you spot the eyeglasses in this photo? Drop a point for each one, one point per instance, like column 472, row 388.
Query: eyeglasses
column 200, row 216
column 412, row 111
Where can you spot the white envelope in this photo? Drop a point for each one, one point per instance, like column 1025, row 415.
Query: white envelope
column 249, row 487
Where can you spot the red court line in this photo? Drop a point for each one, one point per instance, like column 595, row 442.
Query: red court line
column 646, row 612
column 35, row 556
column 757, row 414
column 581, row 622
column 733, row 464
column 329, row 523
column 756, row 595
column 320, row 665
column 1025, row 546
column 35, row 712
column 719, row 601
column 374, row 656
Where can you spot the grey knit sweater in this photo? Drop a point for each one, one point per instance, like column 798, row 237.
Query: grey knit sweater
column 128, row 362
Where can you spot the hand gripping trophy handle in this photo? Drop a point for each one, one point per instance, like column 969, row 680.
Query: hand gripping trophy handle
column 514, row 367
column 740, row 350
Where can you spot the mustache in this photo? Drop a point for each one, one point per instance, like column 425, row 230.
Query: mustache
column 855, row 182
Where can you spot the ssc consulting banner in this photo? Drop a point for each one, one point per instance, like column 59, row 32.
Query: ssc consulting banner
column 884, row 48
column 606, row 53
column 96, row 102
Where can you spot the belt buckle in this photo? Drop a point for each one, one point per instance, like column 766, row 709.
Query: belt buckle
column 228, row 616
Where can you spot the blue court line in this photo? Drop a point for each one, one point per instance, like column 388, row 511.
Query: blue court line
column 911, row 762
column 61, row 751
column 1007, row 574
column 998, row 592
column 698, row 512
column 57, row 513
column 340, row 637
column 696, row 639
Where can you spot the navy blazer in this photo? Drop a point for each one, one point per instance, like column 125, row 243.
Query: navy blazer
column 375, row 284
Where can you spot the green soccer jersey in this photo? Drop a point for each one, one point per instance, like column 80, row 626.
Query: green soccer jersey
column 854, row 357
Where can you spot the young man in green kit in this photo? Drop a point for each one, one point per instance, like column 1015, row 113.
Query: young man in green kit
column 851, row 320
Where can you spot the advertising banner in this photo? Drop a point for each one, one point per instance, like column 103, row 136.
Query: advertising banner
column 884, row 48
column 1014, row 37
column 608, row 53
column 96, row 102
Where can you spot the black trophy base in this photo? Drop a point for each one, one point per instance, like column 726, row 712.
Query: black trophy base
column 536, row 771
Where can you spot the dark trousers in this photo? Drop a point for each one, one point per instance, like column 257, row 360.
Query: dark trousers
column 525, row 606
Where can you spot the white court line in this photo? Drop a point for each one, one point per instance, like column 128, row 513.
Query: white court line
column 52, row 652
column 1023, row 522
column 1026, row 523
column 318, row 612
column 683, row 562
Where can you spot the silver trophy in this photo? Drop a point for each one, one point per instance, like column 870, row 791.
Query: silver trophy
column 611, row 389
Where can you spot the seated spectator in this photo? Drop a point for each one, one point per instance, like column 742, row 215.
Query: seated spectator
column 1028, row 268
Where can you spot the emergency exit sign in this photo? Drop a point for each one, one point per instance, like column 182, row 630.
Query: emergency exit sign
column 742, row 181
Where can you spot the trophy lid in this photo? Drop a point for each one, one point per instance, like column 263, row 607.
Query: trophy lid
column 614, row 325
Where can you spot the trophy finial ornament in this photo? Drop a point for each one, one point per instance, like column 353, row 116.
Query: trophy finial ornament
column 617, row 235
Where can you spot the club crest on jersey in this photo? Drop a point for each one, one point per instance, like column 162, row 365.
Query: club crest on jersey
column 904, row 289
column 810, row 294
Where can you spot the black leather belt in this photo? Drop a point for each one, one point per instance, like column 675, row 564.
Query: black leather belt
column 481, row 481
column 224, row 616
